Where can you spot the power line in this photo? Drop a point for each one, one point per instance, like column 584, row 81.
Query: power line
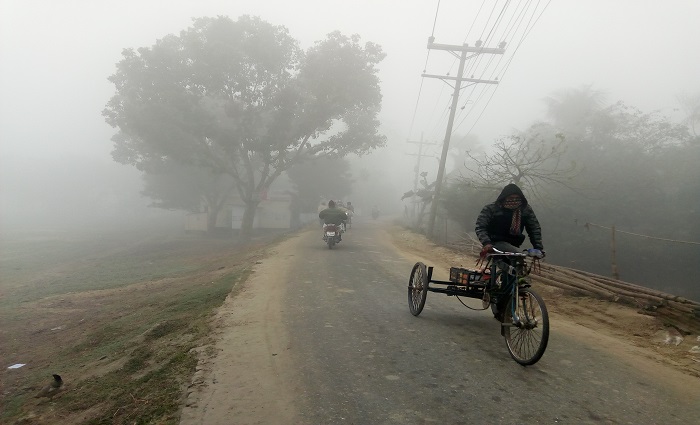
column 443, row 116
column 420, row 89
column 508, row 21
column 588, row 225
column 473, row 66
column 435, row 20
column 474, row 21
column 528, row 29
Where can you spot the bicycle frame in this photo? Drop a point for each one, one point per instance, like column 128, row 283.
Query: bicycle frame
column 497, row 263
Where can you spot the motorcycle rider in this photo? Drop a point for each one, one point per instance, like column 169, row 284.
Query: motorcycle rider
column 333, row 215
column 350, row 211
column 341, row 206
column 322, row 206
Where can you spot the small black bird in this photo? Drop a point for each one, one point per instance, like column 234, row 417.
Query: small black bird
column 52, row 388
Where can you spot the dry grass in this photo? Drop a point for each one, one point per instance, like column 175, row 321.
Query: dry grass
column 117, row 319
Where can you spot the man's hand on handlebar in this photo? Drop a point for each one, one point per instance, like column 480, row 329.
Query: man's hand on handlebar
column 537, row 253
column 487, row 249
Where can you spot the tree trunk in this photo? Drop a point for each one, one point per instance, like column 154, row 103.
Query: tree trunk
column 213, row 209
column 247, row 222
column 211, row 220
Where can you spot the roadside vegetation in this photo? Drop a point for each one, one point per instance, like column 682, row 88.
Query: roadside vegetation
column 614, row 188
column 663, row 328
column 118, row 320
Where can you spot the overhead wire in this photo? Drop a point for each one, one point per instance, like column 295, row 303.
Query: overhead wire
column 477, row 58
column 478, row 66
column 526, row 32
column 509, row 27
column 474, row 64
column 508, row 65
column 469, row 31
column 420, row 89
column 517, row 16
column 443, row 117
column 478, row 12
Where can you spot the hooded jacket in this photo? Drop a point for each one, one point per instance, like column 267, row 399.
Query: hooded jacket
column 493, row 223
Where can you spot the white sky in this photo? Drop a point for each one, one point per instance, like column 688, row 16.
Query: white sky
column 56, row 55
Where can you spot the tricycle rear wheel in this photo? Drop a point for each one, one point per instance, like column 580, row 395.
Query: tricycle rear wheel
column 417, row 288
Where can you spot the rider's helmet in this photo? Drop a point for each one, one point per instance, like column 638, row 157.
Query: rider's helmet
column 331, row 204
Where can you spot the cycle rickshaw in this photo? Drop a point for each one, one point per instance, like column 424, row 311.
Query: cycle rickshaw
column 503, row 283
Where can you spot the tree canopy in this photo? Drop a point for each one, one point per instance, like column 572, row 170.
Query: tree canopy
column 175, row 186
column 532, row 159
column 242, row 98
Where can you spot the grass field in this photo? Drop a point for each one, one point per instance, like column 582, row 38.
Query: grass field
column 117, row 316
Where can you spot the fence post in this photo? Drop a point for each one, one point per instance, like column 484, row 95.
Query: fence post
column 613, row 259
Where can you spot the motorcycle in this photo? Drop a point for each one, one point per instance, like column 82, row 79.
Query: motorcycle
column 331, row 234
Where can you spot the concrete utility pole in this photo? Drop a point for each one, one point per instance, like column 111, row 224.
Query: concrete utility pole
column 463, row 50
column 417, row 172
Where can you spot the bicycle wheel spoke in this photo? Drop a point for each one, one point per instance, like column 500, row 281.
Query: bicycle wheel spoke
column 417, row 288
column 528, row 339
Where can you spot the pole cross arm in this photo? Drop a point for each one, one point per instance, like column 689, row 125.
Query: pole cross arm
column 471, row 80
column 465, row 48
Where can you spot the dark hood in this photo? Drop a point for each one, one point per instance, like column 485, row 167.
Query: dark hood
column 511, row 189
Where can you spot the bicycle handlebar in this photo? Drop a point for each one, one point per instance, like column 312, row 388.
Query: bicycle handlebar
column 506, row 254
column 536, row 253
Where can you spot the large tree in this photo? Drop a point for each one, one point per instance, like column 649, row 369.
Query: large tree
column 175, row 186
column 241, row 98
column 321, row 179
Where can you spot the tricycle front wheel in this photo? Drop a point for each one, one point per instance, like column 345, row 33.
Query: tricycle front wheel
column 417, row 288
column 527, row 337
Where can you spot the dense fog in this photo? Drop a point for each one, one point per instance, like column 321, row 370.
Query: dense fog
column 626, row 72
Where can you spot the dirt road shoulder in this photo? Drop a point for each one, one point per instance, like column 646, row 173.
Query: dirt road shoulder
column 243, row 376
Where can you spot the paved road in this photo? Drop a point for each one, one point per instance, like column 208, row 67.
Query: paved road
column 364, row 359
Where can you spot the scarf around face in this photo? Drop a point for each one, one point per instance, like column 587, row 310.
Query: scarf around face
column 514, row 204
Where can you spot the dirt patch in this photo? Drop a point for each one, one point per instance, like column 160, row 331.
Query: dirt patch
column 616, row 328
